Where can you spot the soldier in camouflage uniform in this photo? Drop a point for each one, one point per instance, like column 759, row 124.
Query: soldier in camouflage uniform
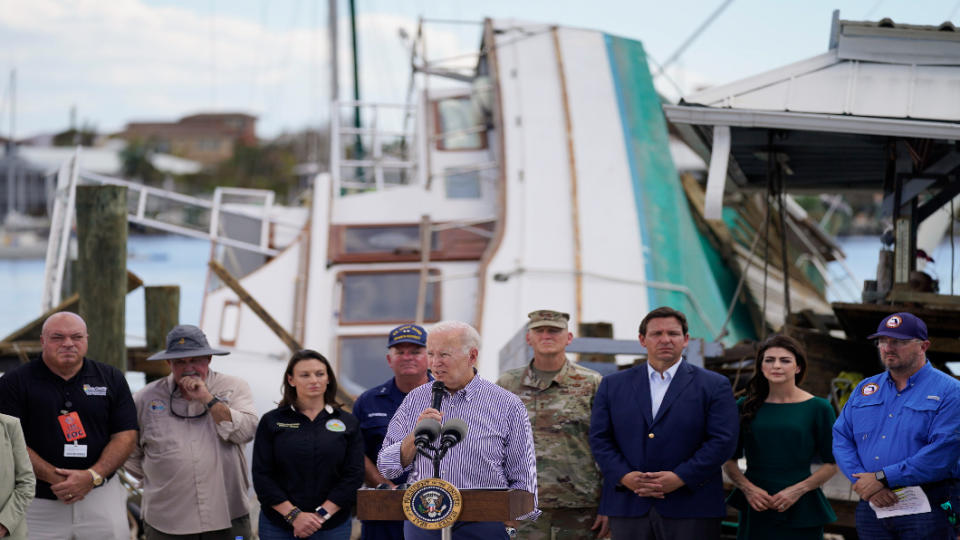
column 558, row 395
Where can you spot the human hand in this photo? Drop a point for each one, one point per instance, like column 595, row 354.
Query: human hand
column 194, row 388
column 668, row 480
column 306, row 523
column 758, row 498
column 638, row 483
column 430, row 412
column 867, row 485
column 786, row 497
column 75, row 486
column 883, row 498
column 603, row 524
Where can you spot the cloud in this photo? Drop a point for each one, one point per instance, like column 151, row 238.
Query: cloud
column 124, row 60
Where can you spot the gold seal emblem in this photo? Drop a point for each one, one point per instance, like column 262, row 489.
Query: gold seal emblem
column 432, row 503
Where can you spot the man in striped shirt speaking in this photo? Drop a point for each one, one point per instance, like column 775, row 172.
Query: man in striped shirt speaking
column 497, row 451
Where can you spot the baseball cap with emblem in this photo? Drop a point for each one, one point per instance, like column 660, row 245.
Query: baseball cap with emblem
column 546, row 317
column 901, row 325
column 408, row 333
column 186, row 341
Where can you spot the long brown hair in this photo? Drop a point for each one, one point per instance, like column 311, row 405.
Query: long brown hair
column 290, row 393
column 759, row 388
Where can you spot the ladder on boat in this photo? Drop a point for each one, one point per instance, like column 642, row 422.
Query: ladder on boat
column 70, row 175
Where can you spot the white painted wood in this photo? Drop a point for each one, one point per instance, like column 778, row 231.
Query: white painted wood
column 717, row 177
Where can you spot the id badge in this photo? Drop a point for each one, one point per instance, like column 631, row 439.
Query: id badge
column 75, row 450
column 72, row 426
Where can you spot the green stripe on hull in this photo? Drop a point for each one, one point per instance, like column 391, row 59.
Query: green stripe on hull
column 675, row 251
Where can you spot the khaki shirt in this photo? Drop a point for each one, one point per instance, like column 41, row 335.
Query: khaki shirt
column 194, row 472
column 559, row 410
column 16, row 478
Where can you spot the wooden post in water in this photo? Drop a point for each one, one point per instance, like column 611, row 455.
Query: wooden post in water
column 102, row 268
column 162, row 305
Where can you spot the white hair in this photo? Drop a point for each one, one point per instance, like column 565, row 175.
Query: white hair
column 469, row 337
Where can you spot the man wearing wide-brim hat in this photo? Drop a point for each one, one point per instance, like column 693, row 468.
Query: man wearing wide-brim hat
column 194, row 424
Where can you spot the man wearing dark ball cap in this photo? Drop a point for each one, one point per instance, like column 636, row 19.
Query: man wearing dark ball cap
column 901, row 429
column 194, row 424
column 407, row 358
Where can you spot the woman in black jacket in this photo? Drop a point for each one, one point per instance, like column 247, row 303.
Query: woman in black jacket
column 307, row 457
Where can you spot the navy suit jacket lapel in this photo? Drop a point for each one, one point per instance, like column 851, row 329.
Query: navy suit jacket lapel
column 642, row 384
column 681, row 379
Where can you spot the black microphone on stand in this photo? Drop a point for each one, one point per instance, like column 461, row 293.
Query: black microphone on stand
column 438, row 388
column 453, row 431
column 425, row 433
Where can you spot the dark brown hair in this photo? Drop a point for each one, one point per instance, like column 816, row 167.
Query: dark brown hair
column 663, row 312
column 759, row 388
column 290, row 393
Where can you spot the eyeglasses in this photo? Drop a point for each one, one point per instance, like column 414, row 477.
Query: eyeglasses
column 895, row 343
column 178, row 415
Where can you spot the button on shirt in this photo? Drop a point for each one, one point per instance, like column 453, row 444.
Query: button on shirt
column 913, row 434
column 193, row 469
column 659, row 385
column 496, row 453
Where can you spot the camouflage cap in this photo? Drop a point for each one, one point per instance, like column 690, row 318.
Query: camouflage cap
column 546, row 317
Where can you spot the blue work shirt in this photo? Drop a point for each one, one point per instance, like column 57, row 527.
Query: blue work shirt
column 912, row 434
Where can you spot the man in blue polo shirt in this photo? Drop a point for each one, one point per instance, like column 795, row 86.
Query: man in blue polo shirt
column 407, row 357
column 901, row 429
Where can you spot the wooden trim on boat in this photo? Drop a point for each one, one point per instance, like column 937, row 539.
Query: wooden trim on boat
column 501, row 213
column 574, row 198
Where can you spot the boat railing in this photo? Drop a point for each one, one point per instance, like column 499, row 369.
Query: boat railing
column 164, row 210
column 381, row 155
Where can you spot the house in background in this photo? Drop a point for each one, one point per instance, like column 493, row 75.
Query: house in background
column 208, row 138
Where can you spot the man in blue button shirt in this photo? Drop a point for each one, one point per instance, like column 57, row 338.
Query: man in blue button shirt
column 407, row 357
column 901, row 428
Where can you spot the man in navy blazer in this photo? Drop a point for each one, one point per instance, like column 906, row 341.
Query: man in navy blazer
column 660, row 432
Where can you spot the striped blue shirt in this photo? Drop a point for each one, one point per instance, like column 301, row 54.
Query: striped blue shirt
column 496, row 453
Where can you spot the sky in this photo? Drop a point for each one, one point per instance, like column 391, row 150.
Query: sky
column 116, row 61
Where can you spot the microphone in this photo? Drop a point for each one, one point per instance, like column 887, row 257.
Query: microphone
column 454, row 430
column 438, row 388
column 426, row 432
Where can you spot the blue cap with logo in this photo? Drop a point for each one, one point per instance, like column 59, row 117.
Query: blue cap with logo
column 408, row 333
column 901, row 325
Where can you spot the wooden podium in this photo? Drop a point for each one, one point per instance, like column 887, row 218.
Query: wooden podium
column 478, row 504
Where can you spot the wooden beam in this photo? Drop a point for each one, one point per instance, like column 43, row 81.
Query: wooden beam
column 267, row 319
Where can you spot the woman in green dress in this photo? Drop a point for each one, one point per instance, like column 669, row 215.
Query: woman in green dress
column 783, row 430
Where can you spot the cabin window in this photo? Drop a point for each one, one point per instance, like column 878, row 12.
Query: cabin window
column 462, row 184
column 458, row 123
column 391, row 239
column 363, row 363
column 385, row 297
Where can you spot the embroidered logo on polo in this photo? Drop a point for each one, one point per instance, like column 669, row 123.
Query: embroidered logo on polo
column 432, row 503
column 289, row 425
column 894, row 322
column 869, row 388
column 334, row 424
column 157, row 406
column 94, row 390
column 376, row 414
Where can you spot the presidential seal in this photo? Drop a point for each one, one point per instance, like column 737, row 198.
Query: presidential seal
column 432, row 503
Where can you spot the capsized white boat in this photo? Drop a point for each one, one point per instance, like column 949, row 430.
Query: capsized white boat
column 544, row 179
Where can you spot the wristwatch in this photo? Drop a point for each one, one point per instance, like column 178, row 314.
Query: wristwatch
column 882, row 478
column 97, row 479
column 322, row 512
column 213, row 402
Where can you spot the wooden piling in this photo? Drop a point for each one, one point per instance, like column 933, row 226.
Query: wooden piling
column 102, row 268
column 162, row 306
